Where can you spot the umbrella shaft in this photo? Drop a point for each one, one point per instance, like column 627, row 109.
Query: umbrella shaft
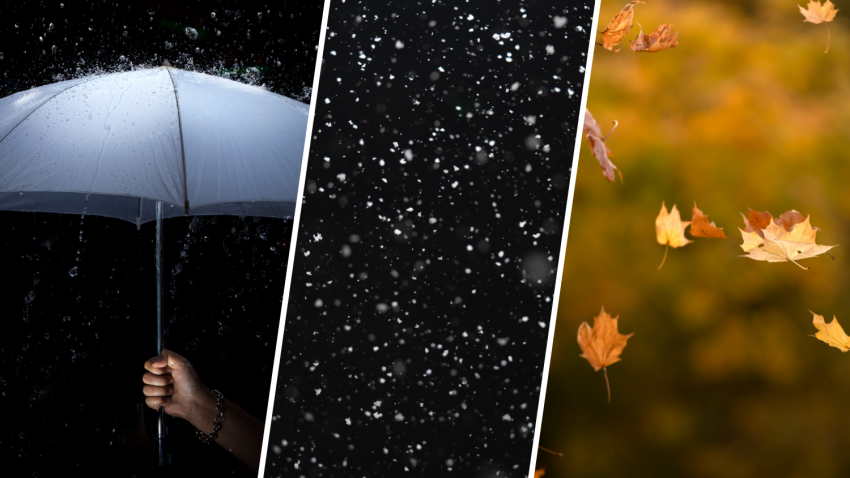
column 159, row 295
column 159, row 312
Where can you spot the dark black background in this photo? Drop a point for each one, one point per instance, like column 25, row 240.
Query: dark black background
column 422, row 291
column 72, row 348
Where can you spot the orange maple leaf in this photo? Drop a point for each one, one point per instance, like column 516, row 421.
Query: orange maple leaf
column 817, row 13
column 618, row 26
column 656, row 41
column 600, row 150
column 700, row 227
column 602, row 344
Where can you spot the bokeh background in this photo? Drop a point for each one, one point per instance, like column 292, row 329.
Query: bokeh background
column 722, row 376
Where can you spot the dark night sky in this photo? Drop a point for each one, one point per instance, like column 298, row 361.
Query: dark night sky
column 72, row 348
column 429, row 240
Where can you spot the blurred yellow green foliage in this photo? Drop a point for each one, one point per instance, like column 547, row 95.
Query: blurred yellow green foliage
column 722, row 377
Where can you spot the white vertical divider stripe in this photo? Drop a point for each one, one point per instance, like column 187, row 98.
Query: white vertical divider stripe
column 292, row 246
column 570, row 197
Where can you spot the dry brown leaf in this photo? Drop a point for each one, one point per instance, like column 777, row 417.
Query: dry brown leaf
column 656, row 41
column 817, row 13
column 831, row 333
column 670, row 230
column 776, row 244
column 790, row 219
column 760, row 220
column 600, row 150
column 602, row 344
column 618, row 27
column 700, row 227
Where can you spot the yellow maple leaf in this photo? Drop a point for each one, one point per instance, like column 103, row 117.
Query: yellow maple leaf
column 817, row 13
column 539, row 473
column 670, row 230
column 618, row 26
column 831, row 333
column 602, row 344
column 776, row 244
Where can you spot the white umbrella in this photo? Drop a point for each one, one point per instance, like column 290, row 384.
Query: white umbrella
column 151, row 144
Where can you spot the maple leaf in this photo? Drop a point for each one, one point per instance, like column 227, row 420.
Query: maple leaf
column 600, row 150
column 831, row 333
column 539, row 473
column 618, row 27
column 817, row 13
column 700, row 227
column 670, row 230
column 602, row 344
column 777, row 244
column 656, row 41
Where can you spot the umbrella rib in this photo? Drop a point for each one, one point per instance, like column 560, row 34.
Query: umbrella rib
column 39, row 106
column 182, row 146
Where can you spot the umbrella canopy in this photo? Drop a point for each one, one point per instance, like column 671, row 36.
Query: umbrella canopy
column 113, row 145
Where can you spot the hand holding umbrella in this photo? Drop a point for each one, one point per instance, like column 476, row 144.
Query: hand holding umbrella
column 172, row 383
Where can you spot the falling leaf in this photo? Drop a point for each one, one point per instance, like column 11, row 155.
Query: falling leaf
column 831, row 333
column 656, row 41
column 760, row 220
column 593, row 133
column 817, row 13
column 790, row 219
column 700, row 227
column 670, row 230
column 776, row 244
column 602, row 344
column 539, row 473
column 618, row 27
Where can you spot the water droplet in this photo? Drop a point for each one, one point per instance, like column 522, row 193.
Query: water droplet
column 50, row 27
column 54, row 49
column 212, row 15
column 191, row 33
column 73, row 272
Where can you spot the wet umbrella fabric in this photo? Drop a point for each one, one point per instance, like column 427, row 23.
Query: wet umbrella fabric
column 151, row 144
column 202, row 145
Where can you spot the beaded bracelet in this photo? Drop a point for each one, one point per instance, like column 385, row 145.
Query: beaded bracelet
column 219, row 408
